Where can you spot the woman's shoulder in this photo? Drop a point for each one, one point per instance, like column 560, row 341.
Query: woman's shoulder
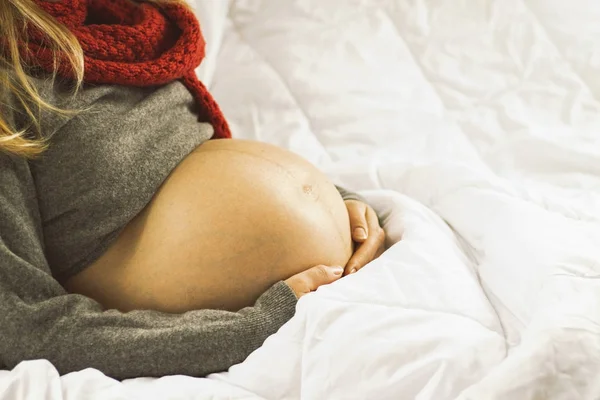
column 17, row 97
column 14, row 172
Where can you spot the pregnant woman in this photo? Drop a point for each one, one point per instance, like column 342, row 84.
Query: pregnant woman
column 129, row 241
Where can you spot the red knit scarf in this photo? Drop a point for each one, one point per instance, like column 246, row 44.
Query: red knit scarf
column 133, row 44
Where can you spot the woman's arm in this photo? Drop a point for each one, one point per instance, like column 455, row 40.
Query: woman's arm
column 39, row 319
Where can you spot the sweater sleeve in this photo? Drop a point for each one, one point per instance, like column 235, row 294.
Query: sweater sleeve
column 348, row 195
column 40, row 320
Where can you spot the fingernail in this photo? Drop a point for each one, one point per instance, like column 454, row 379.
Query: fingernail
column 360, row 233
column 353, row 270
column 337, row 270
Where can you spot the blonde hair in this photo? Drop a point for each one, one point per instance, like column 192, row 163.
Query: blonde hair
column 15, row 17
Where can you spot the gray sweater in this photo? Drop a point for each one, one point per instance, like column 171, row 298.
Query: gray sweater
column 59, row 213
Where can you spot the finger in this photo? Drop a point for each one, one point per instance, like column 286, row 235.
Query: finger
column 369, row 249
column 357, row 211
column 322, row 275
column 309, row 280
column 364, row 253
column 380, row 251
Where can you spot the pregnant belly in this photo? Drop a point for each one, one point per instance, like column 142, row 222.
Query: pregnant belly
column 233, row 218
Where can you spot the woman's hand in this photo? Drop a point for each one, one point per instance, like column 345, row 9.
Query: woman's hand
column 368, row 236
column 309, row 280
column 369, row 239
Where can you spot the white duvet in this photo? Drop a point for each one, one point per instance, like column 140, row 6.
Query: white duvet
column 473, row 128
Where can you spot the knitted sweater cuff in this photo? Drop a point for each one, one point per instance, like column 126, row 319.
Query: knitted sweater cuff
column 278, row 305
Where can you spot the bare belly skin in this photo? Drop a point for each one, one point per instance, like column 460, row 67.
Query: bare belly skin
column 233, row 218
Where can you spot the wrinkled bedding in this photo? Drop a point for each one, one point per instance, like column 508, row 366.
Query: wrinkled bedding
column 473, row 128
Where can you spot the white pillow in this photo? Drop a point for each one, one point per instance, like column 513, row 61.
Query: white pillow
column 212, row 15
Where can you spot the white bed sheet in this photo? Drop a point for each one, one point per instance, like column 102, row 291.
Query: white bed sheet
column 473, row 127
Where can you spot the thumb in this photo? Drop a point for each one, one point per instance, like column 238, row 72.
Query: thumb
column 357, row 211
column 322, row 275
column 309, row 280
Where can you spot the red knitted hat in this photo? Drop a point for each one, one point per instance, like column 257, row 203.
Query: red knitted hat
column 133, row 44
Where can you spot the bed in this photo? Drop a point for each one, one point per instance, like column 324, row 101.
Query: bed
column 473, row 128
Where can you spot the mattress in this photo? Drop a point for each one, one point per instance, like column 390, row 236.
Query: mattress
column 473, row 128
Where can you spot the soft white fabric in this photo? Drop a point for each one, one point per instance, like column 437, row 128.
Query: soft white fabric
column 481, row 122
column 212, row 16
